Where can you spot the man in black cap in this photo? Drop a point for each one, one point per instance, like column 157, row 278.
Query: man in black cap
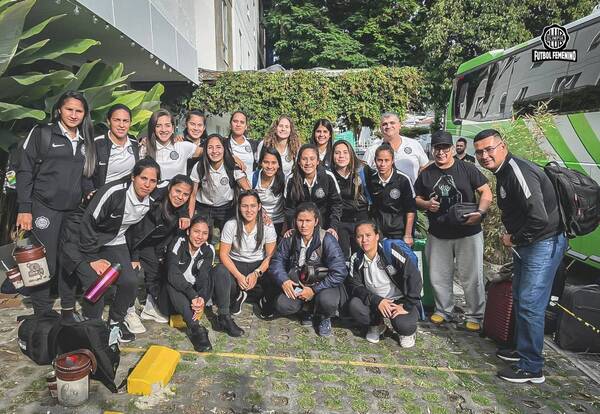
column 445, row 183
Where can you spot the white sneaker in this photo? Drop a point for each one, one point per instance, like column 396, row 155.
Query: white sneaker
column 408, row 341
column 133, row 323
column 374, row 333
column 151, row 312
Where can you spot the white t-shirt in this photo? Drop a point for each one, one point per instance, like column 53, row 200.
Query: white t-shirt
column 217, row 192
column 287, row 160
column 244, row 152
column 377, row 280
column 409, row 157
column 245, row 252
column 135, row 210
column 272, row 204
column 120, row 161
column 172, row 159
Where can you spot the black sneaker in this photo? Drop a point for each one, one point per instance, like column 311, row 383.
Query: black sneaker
column 124, row 335
column 227, row 325
column 236, row 306
column 509, row 355
column 199, row 338
column 520, row 376
column 306, row 319
column 265, row 309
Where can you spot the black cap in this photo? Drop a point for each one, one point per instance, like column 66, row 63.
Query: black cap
column 441, row 138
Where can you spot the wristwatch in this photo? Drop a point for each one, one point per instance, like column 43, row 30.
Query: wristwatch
column 258, row 272
column 483, row 213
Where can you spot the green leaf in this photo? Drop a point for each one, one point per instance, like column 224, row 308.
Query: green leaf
column 10, row 112
column 24, row 89
column 40, row 26
column 12, row 19
column 131, row 99
column 56, row 49
column 73, row 85
column 31, row 49
column 98, row 96
column 7, row 139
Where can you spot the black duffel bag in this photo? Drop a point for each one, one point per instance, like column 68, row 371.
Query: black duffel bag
column 578, row 324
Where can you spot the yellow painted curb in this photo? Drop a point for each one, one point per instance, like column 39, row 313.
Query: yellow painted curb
column 154, row 370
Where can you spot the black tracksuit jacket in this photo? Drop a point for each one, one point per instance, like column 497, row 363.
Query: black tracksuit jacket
column 353, row 210
column 178, row 260
column 528, row 201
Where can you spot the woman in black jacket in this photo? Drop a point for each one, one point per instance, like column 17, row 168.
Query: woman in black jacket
column 380, row 287
column 190, row 261
column 349, row 174
column 102, row 242
column 148, row 241
column 312, row 182
column 52, row 163
column 194, row 132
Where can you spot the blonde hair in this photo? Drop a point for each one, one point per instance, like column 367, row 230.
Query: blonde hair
column 293, row 143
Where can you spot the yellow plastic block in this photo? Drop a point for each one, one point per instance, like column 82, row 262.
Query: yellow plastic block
column 154, row 370
column 176, row 321
column 113, row 412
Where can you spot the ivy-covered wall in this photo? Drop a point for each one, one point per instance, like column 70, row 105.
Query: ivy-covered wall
column 356, row 97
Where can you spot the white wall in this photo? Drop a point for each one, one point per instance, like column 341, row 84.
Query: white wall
column 204, row 12
column 245, row 34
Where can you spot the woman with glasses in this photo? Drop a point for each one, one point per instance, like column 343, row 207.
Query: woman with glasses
column 247, row 244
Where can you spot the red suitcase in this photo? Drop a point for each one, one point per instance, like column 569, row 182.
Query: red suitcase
column 499, row 319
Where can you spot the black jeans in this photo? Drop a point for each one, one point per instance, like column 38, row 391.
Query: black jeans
column 216, row 216
column 227, row 289
column 154, row 271
column 182, row 305
column 345, row 231
column 126, row 283
column 403, row 324
column 324, row 304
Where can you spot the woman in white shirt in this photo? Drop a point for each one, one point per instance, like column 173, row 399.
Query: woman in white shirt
column 240, row 146
column 161, row 145
column 322, row 137
column 282, row 136
column 247, row 244
column 269, row 183
column 216, row 178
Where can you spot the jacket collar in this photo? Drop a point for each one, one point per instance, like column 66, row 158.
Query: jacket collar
column 502, row 166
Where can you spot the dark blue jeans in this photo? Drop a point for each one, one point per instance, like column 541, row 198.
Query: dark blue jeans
column 532, row 282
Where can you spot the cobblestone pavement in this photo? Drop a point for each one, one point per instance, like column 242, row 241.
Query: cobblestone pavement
column 280, row 367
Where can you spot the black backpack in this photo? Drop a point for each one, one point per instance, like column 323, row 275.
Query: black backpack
column 578, row 199
column 36, row 336
column 15, row 155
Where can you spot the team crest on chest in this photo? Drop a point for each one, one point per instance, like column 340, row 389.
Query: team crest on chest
column 408, row 150
column 174, row 155
column 248, row 148
column 320, row 193
column 395, row 194
column 224, row 181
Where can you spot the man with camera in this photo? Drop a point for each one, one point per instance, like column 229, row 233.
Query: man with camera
column 310, row 269
column 382, row 287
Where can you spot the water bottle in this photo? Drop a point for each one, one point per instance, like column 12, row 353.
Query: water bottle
column 104, row 281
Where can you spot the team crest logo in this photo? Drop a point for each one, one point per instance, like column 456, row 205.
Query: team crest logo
column 248, row 148
column 319, row 193
column 395, row 194
column 314, row 257
column 82, row 150
column 502, row 192
column 224, row 181
column 408, row 150
column 554, row 39
column 174, row 155
column 42, row 222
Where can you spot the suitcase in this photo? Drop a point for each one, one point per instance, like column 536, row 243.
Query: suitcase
column 572, row 334
column 499, row 318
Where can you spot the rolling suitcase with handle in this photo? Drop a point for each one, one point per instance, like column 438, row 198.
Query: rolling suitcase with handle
column 499, row 319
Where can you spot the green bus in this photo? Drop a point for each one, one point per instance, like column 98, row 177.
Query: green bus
column 492, row 89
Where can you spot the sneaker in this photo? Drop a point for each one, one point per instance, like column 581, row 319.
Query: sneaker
column 306, row 319
column 324, row 328
column 120, row 331
column 265, row 309
column 375, row 332
column 520, row 376
column 151, row 312
column 437, row 319
column 510, row 355
column 408, row 341
column 199, row 338
column 472, row 326
column 133, row 323
column 226, row 324
column 236, row 306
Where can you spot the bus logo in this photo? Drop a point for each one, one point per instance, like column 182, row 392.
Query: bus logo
column 554, row 38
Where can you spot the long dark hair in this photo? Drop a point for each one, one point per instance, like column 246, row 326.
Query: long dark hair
column 166, row 208
column 279, row 180
column 231, row 119
column 308, row 206
column 199, row 219
column 86, row 129
column 297, row 178
column 188, row 116
column 355, row 165
column 260, row 225
column 151, row 139
column 144, row 163
column 327, row 124
column 203, row 167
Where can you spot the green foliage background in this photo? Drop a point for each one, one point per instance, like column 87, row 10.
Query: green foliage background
column 358, row 97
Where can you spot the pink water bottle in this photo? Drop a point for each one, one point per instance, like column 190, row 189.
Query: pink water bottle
column 104, row 281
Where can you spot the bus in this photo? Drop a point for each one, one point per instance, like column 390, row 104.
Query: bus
column 500, row 86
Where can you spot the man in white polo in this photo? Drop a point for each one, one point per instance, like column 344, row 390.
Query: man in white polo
column 409, row 156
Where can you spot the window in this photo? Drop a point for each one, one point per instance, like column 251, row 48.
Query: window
column 502, row 106
column 225, row 28
column 595, row 42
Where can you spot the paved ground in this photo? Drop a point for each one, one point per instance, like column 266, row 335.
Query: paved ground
column 281, row 367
